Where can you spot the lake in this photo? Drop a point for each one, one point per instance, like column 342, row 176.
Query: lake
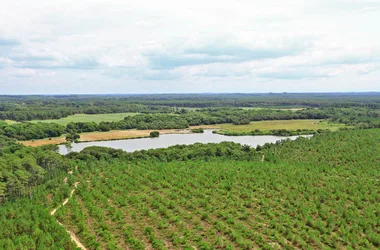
column 168, row 140
column 165, row 141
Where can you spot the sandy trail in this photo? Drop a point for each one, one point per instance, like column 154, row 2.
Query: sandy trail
column 74, row 238
column 52, row 213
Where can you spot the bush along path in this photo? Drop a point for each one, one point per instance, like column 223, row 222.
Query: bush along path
column 74, row 238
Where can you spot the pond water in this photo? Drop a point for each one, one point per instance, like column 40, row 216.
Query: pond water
column 165, row 141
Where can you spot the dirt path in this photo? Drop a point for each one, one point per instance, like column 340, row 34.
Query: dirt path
column 66, row 200
column 52, row 213
column 74, row 237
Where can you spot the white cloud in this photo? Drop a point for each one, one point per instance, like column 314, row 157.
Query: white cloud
column 4, row 62
column 225, row 45
column 21, row 72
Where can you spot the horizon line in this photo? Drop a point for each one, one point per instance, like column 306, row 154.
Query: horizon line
column 195, row 93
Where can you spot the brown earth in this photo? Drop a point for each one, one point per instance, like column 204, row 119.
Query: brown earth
column 113, row 135
column 52, row 213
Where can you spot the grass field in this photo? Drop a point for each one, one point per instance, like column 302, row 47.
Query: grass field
column 275, row 108
column 256, row 108
column 10, row 122
column 282, row 124
column 89, row 118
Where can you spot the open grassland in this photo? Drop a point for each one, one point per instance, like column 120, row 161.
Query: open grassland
column 111, row 135
column 85, row 118
column 255, row 108
column 10, row 122
column 275, row 108
column 319, row 193
column 282, row 124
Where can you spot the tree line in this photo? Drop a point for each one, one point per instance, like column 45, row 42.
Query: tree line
column 26, row 108
column 359, row 117
column 44, row 110
column 23, row 168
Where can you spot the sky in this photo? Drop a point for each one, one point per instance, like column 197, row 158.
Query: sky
column 175, row 46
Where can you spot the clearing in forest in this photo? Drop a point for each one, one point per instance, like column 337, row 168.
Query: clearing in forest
column 85, row 118
column 275, row 108
column 112, row 135
column 282, row 124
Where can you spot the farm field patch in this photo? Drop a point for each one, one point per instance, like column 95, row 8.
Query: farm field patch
column 282, row 124
column 275, row 108
column 112, row 135
column 84, row 118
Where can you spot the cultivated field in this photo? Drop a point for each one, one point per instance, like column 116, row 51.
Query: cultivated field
column 88, row 118
column 111, row 135
column 282, row 124
column 275, row 108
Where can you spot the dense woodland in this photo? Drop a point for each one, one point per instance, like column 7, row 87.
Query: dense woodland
column 23, row 168
column 309, row 193
column 26, row 108
column 316, row 193
column 360, row 117
column 319, row 192
column 169, row 111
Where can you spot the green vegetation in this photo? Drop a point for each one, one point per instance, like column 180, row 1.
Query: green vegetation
column 26, row 224
column 105, row 113
column 30, row 183
column 359, row 117
column 197, row 130
column 29, row 131
column 283, row 124
column 22, row 168
column 276, row 132
column 308, row 193
column 27, row 108
column 10, row 122
column 318, row 193
column 292, row 108
column 89, row 118
column 154, row 134
column 280, row 128
column 72, row 137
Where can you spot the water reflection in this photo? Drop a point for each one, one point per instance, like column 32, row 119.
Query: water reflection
column 165, row 141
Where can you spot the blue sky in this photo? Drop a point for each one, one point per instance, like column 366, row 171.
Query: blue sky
column 146, row 46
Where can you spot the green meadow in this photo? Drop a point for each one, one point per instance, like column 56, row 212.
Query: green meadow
column 89, row 118
column 282, row 124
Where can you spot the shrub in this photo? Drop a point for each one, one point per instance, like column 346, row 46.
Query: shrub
column 154, row 134
column 197, row 130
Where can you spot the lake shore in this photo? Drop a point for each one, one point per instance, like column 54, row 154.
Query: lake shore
column 113, row 135
column 167, row 140
column 264, row 127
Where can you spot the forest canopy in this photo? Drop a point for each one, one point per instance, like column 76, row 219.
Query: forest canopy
column 313, row 193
